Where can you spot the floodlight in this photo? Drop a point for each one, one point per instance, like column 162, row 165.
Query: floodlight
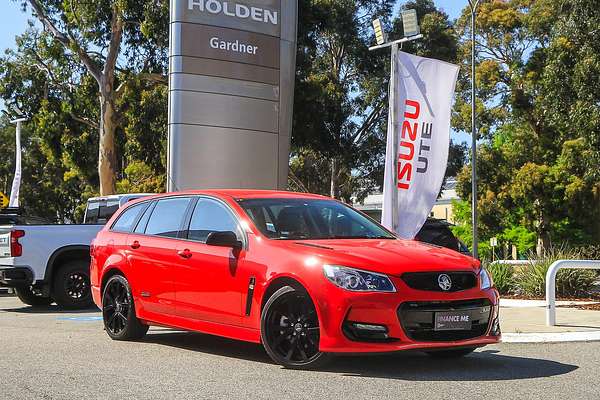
column 410, row 23
column 380, row 34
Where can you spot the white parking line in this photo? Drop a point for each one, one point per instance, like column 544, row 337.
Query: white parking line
column 551, row 337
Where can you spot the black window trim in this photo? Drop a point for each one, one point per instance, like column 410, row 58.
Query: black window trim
column 183, row 229
column 182, row 224
column 234, row 214
column 137, row 219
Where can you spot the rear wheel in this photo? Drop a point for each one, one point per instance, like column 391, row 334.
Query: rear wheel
column 28, row 296
column 118, row 311
column 71, row 287
column 290, row 330
column 456, row 353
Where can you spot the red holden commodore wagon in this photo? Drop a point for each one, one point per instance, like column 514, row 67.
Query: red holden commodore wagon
column 305, row 275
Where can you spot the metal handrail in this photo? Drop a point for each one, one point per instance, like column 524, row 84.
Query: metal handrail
column 551, row 283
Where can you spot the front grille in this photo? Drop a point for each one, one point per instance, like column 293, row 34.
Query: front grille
column 418, row 319
column 429, row 281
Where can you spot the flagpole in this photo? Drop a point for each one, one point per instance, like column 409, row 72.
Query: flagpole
column 411, row 25
column 394, row 120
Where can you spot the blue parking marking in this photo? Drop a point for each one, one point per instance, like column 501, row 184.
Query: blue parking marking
column 80, row 319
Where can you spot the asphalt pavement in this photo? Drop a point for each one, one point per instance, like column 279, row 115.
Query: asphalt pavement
column 49, row 354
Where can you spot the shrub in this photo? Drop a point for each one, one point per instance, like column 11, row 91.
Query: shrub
column 503, row 276
column 531, row 279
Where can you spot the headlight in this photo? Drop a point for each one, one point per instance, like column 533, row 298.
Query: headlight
column 485, row 279
column 357, row 280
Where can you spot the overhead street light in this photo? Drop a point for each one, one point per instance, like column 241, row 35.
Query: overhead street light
column 411, row 31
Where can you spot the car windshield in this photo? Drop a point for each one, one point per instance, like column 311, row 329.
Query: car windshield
column 307, row 219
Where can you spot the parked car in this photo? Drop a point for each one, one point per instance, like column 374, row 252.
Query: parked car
column 305, row 275
column 50, row 262
column 438, row 232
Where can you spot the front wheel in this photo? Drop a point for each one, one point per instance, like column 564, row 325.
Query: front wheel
column 118, row 311
column 290, row 330
column 29, row 297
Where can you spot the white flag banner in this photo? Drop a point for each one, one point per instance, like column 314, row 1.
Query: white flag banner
column 416, row 160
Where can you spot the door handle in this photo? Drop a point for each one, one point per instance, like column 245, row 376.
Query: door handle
column 135, row 244
column 185, row 253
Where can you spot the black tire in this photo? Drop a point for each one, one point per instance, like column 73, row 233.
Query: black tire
column 118, row 311
column 27, row 296
column 71, row 285
column 456, row 353
column 290, row 330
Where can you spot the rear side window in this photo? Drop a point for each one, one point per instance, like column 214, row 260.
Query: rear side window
column 127, row 218
column 91, row 214
column 107, row 210
column 141, row 225
column 167, row 217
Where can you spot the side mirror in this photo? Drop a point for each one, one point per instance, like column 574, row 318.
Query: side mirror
column 224, row 239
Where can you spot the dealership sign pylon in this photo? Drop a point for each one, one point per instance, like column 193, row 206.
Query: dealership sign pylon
column 231, row 90
column 418, row 140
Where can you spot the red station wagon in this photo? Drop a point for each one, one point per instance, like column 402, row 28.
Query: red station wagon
column 305, row 275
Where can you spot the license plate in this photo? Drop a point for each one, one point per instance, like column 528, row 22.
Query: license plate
column 452, row 321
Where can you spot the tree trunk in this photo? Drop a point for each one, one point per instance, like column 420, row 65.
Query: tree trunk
column 107, row 159
column 333, row 181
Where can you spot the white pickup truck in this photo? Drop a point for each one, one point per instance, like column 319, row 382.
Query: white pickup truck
column 46, row 263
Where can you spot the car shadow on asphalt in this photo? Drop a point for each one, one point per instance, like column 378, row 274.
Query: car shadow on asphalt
column 482, row 365
column 51, row 309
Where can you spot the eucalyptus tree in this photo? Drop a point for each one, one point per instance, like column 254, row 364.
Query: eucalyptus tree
column 113, row 40
column 341, row 90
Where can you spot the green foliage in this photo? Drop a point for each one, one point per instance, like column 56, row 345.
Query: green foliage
column 531, row 279
column 343, row 88
column 503, row 277
column 539, row 118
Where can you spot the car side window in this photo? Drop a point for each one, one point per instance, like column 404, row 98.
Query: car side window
column 127, row 218
column 211, row 216
column 91, row 214
column 167, row 217
column 143, row 222
column 106, row 210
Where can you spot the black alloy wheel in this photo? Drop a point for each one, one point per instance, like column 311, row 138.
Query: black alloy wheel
column 77, row 285
column 290, row 330
column 71, row 287
column 118, row 311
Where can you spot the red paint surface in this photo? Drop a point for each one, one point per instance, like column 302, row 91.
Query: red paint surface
column 207, row 291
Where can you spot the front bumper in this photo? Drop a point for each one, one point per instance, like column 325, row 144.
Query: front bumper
column 12, row 276
column 408, row 316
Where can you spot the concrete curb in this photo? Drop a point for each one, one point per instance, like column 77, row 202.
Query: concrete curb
column 551, row 337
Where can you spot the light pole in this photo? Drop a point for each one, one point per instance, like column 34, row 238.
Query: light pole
column 411, row 32
column 473, row 4
column 16, row 185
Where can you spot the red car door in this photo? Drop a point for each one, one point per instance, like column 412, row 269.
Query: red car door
column 207, row 285
column 152, row 256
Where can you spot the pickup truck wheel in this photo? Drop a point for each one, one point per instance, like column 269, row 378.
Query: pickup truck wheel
column 118, row 311
column 27, row 296
column 71, row 287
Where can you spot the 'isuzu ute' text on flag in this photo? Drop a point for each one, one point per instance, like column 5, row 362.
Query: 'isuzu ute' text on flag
column 423, row 95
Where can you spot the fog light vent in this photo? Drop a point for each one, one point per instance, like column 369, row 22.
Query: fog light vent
column 364, row 332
